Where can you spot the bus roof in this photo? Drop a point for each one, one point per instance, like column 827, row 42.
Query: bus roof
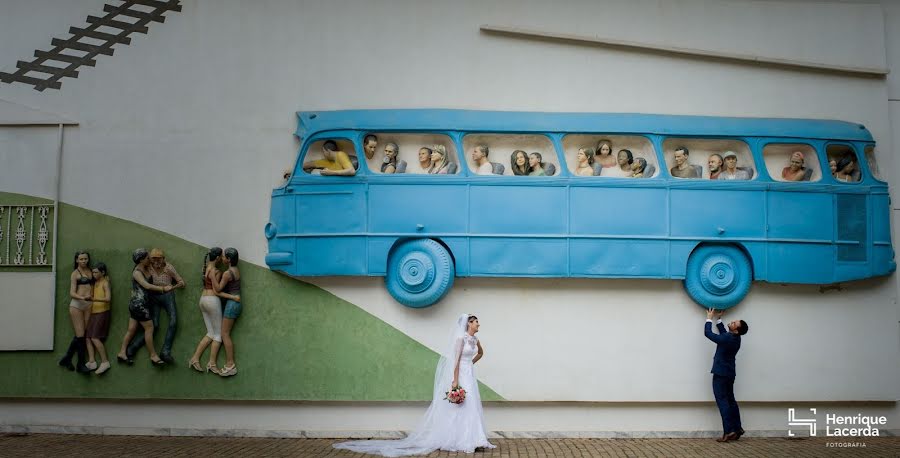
column 515, row 121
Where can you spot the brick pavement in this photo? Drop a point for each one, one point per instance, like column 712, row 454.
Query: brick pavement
column 36, row 445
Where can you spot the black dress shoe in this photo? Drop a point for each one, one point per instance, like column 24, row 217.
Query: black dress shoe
column 67, row 364
column 728, row 437
column 127, row 361
column 82, row 369
column 167, row 358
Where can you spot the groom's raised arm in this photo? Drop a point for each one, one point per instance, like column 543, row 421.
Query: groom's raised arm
column 707, row 328
column 717, row 338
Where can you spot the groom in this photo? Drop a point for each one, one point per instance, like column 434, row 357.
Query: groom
column 728, row 342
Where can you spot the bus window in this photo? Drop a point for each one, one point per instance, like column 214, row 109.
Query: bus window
column 399, row 153
column 341, row 151
column 503, row 154
column 843, row 162
column 614, row 156
column 792, row 162
column 710, row 159
column 873, row 165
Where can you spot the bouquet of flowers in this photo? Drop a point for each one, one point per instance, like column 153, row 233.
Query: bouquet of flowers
column 456, row 395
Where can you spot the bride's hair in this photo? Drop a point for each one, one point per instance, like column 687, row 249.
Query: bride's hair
column 472, row 318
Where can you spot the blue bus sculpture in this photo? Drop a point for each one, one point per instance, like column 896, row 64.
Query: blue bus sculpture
column 716, row 202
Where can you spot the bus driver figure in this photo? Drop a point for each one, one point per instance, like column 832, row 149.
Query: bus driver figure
column 336, row 162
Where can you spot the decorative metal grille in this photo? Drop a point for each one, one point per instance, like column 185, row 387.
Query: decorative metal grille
column 24, row 235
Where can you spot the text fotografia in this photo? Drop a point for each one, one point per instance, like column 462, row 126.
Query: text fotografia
column 845, row 444
column 855, row 425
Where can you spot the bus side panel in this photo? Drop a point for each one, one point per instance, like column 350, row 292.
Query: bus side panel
column 330, row 221
column 330, row 256
column 401, row 208
column 795, row 217
column 800, row 263
column 523, row 256
column 679, row 252
column 535, row 214
column 618, row 211
column 801, row 216
column 719, row 214
column 536, row 209
column 618, row 258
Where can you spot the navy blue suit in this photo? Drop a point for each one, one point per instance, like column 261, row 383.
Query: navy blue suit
column 723, row 370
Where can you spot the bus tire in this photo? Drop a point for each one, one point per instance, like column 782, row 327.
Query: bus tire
column 718, row 276
column 419, row 273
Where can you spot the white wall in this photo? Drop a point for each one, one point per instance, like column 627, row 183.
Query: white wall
column 212, row 92
column 28, row 165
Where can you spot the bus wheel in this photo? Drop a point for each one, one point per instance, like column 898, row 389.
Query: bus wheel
column 718, row 276
column 419, row 273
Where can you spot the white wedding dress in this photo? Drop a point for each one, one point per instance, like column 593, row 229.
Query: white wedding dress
column 445, row 426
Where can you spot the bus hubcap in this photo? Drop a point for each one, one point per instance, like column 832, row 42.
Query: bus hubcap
column 416, row 272
column 718, row 276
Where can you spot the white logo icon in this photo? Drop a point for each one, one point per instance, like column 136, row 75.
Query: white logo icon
column 794, row 421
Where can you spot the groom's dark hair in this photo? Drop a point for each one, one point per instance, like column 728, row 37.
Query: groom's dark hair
column 743, row 328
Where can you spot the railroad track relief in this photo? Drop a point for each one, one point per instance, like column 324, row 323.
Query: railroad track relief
column 101, row 34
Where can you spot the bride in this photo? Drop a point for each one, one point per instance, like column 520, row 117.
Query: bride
column 446, row 426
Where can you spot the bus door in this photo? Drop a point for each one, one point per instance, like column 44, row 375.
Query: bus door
column 851, row 236
column 329, row 212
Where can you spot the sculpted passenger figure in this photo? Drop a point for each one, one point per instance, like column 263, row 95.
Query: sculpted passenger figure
column 480, row 158
column 795, row 171
column 335, row 163
column 638, row 167
column 389, row 165
column 715, row 164
column 845, row 168
column 519, row 162
column 80, row 290
column 604, row 154
column 584, row 160
column 622, row 169
column 370, row 142
column 536, row 165
column 439, row 163
column 425, row 159
column 731, row 171
column 683, row 168
column 98, row 326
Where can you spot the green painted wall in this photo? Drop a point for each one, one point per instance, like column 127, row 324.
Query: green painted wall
column 294, row 341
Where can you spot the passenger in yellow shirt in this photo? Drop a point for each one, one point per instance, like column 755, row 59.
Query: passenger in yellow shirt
column 335, row 163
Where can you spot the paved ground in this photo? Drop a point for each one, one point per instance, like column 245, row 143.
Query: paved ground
column 34, row 445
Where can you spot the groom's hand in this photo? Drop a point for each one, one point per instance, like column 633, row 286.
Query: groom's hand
column 710, row 313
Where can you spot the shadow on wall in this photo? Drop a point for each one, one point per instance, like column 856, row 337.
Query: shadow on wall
column 294, row 341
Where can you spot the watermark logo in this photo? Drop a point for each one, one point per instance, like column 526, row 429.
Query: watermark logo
column 846, row 427
column 809, row 422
